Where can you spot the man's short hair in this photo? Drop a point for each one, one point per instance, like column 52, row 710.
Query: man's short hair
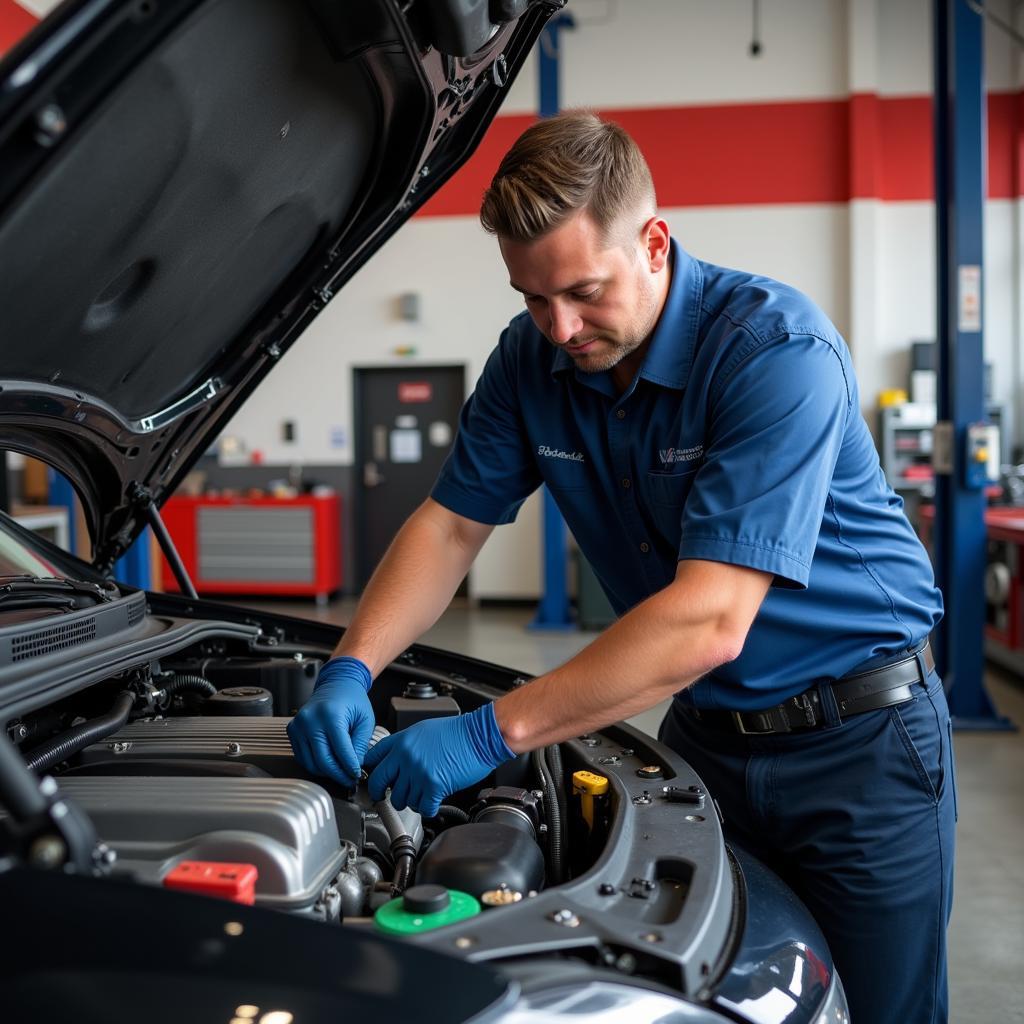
column 563, row 164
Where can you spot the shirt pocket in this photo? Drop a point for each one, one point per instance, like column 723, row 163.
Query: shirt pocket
column 667, row 493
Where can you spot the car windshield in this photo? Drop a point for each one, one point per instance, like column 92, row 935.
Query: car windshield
column 17, row 560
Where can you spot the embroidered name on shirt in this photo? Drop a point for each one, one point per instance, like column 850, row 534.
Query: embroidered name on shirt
column 668, row 455
column 557, row 453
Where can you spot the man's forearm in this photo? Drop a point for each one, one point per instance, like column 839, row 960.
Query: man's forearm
column 662, row 645
column 412, row 586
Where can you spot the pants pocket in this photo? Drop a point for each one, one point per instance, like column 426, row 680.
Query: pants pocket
column 952, row 767
column 922, row 741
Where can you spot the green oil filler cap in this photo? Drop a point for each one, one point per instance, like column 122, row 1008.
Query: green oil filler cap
column 423, row 908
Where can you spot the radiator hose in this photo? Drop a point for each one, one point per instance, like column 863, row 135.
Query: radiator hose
column 183, row 682
column 82, row 735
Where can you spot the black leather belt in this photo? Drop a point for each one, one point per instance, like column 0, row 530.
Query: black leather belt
column 864, row 691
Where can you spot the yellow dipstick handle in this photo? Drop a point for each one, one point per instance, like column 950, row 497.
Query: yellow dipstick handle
column 587, row 785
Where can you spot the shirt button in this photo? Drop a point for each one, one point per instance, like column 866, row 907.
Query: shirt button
column 621, row 414
column 626, row 482
column 644, row 546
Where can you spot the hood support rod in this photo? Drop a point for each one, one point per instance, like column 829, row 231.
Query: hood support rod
column 142, row 497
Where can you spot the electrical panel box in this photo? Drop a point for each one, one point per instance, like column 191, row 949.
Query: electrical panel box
column 981, row 459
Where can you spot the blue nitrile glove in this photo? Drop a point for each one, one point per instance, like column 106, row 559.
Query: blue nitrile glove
column 435, row 758
column 332, row 730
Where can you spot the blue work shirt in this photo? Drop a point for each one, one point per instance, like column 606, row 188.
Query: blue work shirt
column 740, row 440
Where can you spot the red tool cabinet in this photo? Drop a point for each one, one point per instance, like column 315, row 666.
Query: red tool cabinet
column 286, row 546
column 1004, row 581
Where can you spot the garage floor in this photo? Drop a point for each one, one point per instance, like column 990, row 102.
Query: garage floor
column 987, row 930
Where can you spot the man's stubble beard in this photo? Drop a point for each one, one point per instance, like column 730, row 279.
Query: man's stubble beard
column 599, row 362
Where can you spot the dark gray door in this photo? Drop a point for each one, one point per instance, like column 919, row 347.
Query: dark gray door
column 405, row 419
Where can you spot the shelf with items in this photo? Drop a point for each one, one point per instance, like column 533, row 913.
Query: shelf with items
column 906, row 438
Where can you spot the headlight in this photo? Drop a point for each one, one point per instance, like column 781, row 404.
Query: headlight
column 835, row 1010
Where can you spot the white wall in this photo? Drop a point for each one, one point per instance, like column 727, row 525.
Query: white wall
column 804, row 244
column 651, row 53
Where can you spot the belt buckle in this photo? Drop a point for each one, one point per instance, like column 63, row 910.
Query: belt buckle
column 737, row 717
column 806, row 705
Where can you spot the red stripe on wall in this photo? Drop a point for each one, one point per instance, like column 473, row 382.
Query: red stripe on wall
column 864, row 144
column 906, row 158
column 743, row 154
column 827, row 151
column 15, row 22
column 1003, row 132
column 701, row 156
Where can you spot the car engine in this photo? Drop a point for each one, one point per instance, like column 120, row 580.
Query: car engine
column 201, row 772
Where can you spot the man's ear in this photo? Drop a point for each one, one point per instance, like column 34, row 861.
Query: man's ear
column 655, row 241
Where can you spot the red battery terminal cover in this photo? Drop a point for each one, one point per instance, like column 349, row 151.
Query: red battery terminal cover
column 236, row 882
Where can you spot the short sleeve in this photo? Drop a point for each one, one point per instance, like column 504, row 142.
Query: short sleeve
column 490, row 470
column 777, row 419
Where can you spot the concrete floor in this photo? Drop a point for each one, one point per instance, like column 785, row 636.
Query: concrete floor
column 987, row 929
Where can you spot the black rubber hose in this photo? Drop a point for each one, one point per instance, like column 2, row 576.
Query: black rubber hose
column 183, row 682
column 449, row 815
column 403, row 849
column 555, row 852
column 403, row 869
column 554, row 756
column 19, row 792
column 82, row 735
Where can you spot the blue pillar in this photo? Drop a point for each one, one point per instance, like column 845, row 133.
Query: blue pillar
column 959, row 542
column 133, row 567
column 553, row 611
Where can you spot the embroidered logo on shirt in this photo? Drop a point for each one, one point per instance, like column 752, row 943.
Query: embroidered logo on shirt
column 557, row 453
column 669, row 455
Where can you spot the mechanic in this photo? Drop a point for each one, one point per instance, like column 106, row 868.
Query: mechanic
column 700, row 431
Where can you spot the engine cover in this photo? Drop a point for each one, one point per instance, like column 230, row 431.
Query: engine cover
column 206, row 758
column 259, row 741
column 286, row 827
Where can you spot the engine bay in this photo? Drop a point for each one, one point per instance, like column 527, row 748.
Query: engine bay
column 180, row 763
column 205, row 773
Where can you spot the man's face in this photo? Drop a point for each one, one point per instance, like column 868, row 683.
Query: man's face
column 597, row 298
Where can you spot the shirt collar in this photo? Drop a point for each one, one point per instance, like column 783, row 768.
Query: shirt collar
column 670, row 356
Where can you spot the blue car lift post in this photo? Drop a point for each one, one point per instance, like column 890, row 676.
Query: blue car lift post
column 553, row 611
column 959, row 540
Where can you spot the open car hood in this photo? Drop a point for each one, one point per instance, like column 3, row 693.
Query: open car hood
column 184, row 185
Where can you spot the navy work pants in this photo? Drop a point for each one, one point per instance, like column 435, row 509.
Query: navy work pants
column 858, row 818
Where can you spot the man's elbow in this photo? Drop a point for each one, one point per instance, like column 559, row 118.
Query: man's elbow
column 723, row 642
column 730, row 639
column 719, row 639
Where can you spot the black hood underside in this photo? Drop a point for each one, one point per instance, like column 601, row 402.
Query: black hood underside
column 183, row 188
